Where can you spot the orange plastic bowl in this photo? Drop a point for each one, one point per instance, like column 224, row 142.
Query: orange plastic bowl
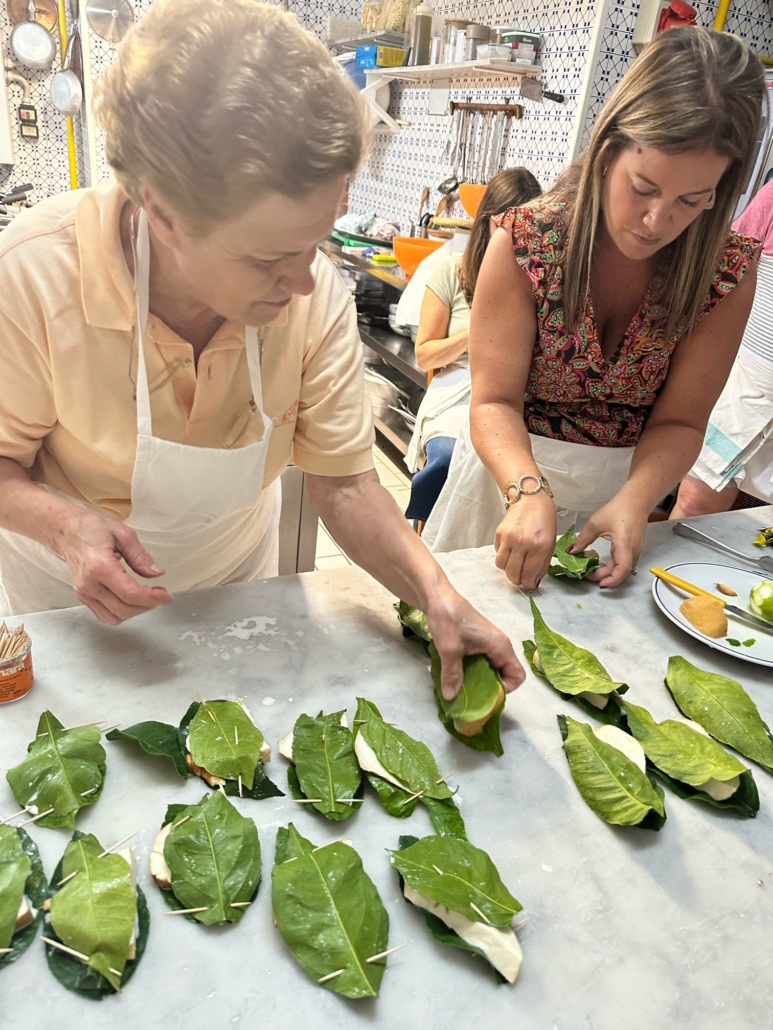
column 471, row 195
column 410, row 251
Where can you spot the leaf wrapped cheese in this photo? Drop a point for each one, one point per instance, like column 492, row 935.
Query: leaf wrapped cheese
column 23, row 892
column 464, row 901
column 330, row 914
column 572, row 566
column 402, row 770
column 212, row 853
column 722, row 707
column 64, row 771
column 610, row 776
column 324, row 764
column 95, row 913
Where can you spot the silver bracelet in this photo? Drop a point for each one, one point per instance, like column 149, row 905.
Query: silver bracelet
column 540, row 484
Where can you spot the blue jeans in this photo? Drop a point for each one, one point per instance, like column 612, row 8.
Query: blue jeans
column 427, row 483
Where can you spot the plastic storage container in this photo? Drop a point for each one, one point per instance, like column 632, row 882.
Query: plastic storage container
column 422, row 33
column 476, row 36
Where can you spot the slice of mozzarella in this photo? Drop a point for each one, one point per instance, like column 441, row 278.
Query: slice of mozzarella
column 498, row 944
column 597, row 700
column 25, row 915
column 369, row 762
column 159, row 868
column 624, row 742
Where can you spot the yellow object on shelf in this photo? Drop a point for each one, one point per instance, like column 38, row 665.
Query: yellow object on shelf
column 70, row 127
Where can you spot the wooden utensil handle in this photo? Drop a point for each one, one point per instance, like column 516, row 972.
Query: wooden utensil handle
column 682, row 584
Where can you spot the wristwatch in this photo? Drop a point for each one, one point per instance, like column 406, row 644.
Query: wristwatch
column 540, row 483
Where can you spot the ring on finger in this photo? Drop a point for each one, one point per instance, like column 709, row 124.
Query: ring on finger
column 633, row 570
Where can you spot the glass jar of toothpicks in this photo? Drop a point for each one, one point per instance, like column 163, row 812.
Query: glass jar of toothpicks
column 16, row 677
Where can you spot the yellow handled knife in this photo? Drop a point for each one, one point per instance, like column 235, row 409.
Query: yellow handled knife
column 690, row 588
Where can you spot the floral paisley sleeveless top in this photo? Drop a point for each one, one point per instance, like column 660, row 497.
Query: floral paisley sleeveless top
column 573, row 392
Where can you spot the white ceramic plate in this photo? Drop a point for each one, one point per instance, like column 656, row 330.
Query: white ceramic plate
column 706, row 575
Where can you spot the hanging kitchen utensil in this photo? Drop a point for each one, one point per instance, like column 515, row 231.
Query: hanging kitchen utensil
column 531, row 89
column 45, row 12
column 110, row 19
column 66, row 89
column 31, row 43
column 77, row 52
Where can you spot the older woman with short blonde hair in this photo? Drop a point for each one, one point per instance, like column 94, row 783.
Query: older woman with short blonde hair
column 171, row 340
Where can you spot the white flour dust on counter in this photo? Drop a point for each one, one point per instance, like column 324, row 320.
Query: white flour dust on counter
column 255, row 626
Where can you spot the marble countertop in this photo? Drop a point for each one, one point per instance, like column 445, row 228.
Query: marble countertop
column 628, row 929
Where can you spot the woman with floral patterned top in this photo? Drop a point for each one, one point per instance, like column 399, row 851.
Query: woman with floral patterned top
column 607, row 316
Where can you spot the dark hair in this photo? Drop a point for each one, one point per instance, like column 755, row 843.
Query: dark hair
column 511, row 188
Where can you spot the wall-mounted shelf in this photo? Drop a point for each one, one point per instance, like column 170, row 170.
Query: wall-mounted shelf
column 445, row 73
column 440, row 76
column 386, row 38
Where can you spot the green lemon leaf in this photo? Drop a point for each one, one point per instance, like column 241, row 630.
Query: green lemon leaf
column 458, row 875
column 722, row 707
column 35, row 888
column 290, row 844
column 414, row 621
column 330, row 915
column 610, row 714
column 409, row 760
column 573, row 566
column 609, row 783
column 224, row 740
column 395, row 800
column 567, row 667
column 446, row 818
column 64, row 770
column 95, row 911
column 15, row 867
column 681, row 751
column 325, row 765
column 213, row 853
column 442, row 933
column 156, row 738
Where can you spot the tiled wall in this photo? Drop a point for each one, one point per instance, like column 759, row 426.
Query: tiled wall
column 399, row 167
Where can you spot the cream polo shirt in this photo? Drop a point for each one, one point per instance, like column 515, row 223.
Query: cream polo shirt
column 68, row 364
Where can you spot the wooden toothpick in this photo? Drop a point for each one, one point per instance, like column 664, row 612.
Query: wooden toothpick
column 108, row 851
column 336, row 841
column 443, row 778
column 236, row 735
column 481, row 914
column 184, row 819
column 307, row 801
column 440, row 871
column 349, row 801
column 14, row 816
column 68, row 878
column 116, row 972
column 5, row 951
column 240, row 904
column 63, row 947
column 85, row 793
column 186, row 911
column 361, row 721
column 383, row 954
column 324, row 979
column 418, row 794
column 240, row 785
column 35, row 819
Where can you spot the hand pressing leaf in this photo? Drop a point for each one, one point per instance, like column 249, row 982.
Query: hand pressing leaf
column 15, row 867
column 213, row 854
column 573, row 566
column 325, row 765
column 608, row 713
column 473, row 715
column 610, row 783
column 567, row 667
column 94, row 912
column 156, row 738
column 722, row 707
column 691, row 763
column 330, row 914
column 458, row 875
column 15, row 841
column 64, row 771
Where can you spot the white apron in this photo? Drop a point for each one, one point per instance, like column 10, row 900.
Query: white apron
column 200, row 512
column 738, row 446
column 583, row 478
column 443, row 411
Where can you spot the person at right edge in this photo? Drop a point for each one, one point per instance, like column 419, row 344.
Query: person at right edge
column 607, row 316
column 737, row 452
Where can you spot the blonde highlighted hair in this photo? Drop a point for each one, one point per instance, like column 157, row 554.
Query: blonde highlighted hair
column 213, row 102
column 690, row 89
